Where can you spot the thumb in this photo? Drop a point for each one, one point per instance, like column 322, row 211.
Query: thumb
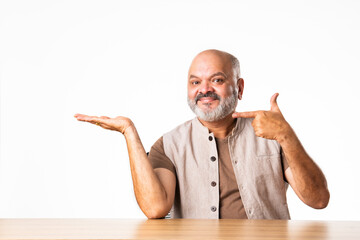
column 273, row 104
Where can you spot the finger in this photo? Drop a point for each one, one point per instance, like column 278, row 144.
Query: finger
column 91, row 119
column 273, row 103
column 245, row 114
column 81, row 117
column 97, row 120
column 84, row 118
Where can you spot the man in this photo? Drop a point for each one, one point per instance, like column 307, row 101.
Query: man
column 221, row 164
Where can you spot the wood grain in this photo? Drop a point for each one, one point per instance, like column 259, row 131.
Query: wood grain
column 176, row 229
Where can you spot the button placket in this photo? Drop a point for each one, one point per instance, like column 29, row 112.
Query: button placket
column 214, row 176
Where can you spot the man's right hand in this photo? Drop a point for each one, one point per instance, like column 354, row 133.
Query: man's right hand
column 120, row 124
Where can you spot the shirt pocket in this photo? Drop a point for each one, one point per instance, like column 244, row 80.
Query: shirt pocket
column 268, row 165
column 269, row 173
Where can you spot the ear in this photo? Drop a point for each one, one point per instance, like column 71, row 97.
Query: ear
column 240, row 86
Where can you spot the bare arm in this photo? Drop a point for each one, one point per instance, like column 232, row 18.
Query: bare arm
column 303, row 175
column 154, row 190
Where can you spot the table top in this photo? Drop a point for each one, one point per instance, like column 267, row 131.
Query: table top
column 176, row 229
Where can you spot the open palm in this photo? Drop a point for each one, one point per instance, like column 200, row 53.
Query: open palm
column 119, row 123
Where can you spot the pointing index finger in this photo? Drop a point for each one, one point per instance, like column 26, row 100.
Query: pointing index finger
column 245, row 114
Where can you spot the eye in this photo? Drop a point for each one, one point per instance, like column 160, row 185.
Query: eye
column 218, row 80
column 195, row 82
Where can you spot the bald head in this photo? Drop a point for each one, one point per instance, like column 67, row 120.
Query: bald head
column 224, row 57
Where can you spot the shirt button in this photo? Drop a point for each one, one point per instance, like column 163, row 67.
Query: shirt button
column 210, row 138
column 213, row 184
column 213, row 209
column 213, row 159
column 235, row 162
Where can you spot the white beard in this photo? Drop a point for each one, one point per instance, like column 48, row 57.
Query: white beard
column 225, row 107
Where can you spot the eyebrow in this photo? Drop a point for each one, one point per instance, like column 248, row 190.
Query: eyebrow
column 213, row 75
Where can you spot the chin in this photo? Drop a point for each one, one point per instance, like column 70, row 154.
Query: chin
column 207, row 107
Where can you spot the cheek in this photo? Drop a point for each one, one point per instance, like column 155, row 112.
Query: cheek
column 191, row 93
column 224, row 91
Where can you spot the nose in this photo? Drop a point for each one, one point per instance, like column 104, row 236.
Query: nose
column 205, row 87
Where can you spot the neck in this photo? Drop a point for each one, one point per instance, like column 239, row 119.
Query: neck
column 220, row 128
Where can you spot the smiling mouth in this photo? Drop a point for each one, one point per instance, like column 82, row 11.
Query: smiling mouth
column 207, row 99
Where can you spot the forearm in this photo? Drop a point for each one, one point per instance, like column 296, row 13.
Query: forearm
column 309, row 179
column 149, row 192
column 304, row 176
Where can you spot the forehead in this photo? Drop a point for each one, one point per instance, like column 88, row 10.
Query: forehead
column 206, row 64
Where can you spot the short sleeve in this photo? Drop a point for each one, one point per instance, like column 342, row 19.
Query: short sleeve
column 157, row 157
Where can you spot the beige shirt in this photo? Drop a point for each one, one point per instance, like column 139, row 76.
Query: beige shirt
column 233, row 170
column 230, row 201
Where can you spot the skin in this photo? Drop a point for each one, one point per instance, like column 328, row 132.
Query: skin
column 154, row 189
column 211, row 71
column 303, row 175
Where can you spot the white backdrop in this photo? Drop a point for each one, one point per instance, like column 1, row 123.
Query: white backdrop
column 131, row 58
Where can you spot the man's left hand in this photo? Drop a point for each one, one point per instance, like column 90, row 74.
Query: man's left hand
column 268, row 124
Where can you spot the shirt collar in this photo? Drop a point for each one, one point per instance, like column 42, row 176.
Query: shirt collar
column 204, row 130
column 198, row 126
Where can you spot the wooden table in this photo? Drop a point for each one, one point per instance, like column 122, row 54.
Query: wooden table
column 176, row 229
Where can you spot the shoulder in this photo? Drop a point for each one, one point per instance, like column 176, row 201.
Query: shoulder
column 158, row 145
column 176, row 140
column 179, row 132
column 180, row 128
column 158, row 158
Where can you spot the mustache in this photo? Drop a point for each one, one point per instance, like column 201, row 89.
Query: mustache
column 208, row 94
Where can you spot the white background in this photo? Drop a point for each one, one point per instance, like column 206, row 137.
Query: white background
column 131, row 58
